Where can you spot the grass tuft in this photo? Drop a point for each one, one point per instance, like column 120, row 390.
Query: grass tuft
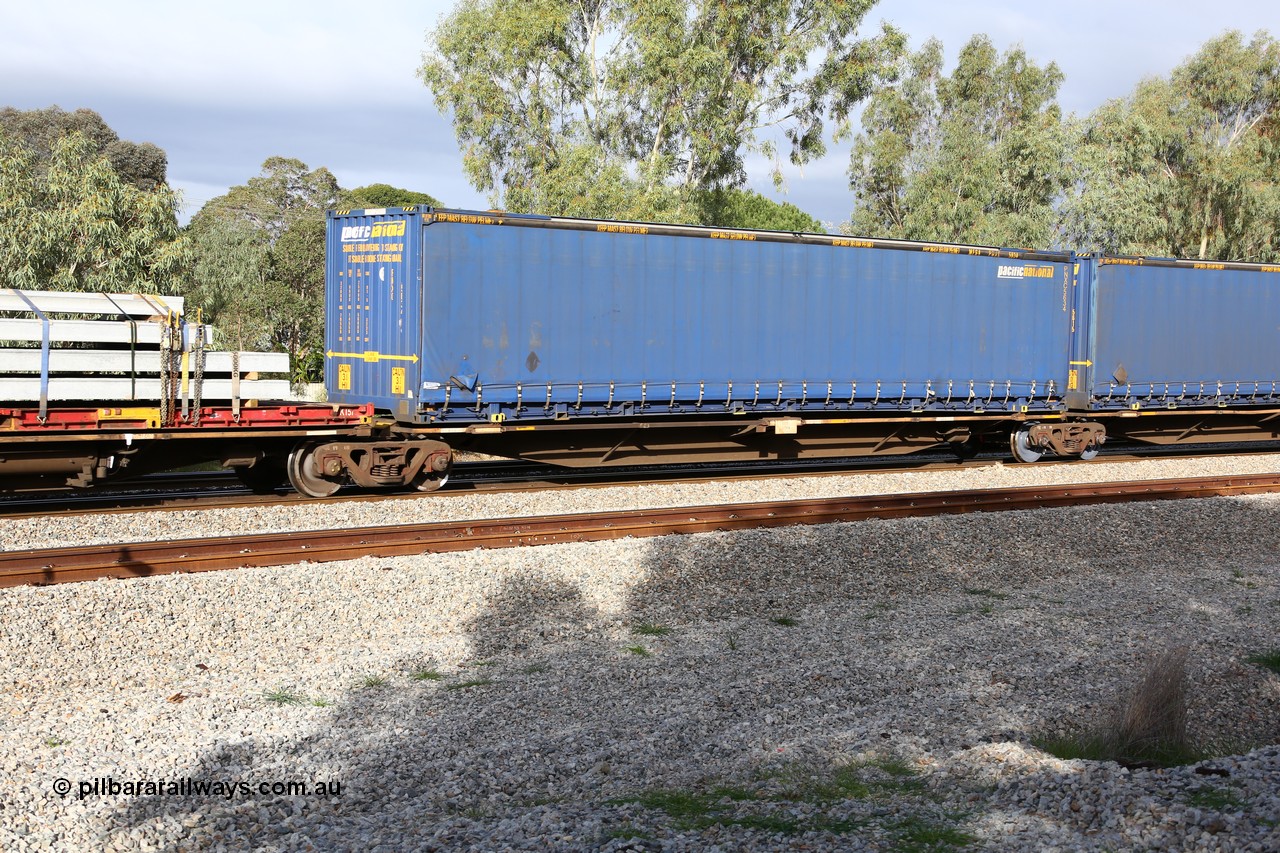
column 770, row 809
column 1075, row 747
column 1151, row 723
column 895, row 767
column 641, row 651
column 426, row 675
column 694, row 810
column 1216, row 799
column 859, row 781
column 373, row 681
column 283, row 696
column 845, row 783
column 475, row 682
column 785, row 621
column 1269, row 659
column 917, row 833
column 1148, row 725
column 648, row 629
column 678, row 804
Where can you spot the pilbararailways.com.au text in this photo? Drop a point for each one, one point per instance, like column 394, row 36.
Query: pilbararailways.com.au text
column 227, row 789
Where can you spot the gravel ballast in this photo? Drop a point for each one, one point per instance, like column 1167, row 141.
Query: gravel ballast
column 854, row 686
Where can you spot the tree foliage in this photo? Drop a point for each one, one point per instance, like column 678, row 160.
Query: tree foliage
column 385, row 195
column 141, row 164
column 979, row 156
column 258, row 269
column 586, row 181
column 1187, row 166
column 73, row 222
column 660, row 98
column 229, row 274
column 735, row 208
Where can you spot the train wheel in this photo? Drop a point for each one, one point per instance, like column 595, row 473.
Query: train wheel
column 429, row 483
column 1020, row 446
column 303, row 475
column 428, row 479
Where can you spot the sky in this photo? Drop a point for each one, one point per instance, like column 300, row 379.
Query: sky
column 223, row 86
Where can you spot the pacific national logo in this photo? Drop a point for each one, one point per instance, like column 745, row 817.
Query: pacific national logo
column 356, row 233
column 1025, row 272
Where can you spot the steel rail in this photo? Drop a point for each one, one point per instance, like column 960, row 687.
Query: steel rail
column 467, row 479
column 219, row 490
column 143, row 559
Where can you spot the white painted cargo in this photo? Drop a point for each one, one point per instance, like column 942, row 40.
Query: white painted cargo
column 63, row 389
column 141, row 361
column 64, row 358
column 127, row 304
column 88, row 331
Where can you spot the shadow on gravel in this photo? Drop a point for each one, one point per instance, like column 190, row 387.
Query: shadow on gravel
column 748, row 660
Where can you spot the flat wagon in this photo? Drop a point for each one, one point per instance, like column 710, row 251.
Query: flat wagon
column 591, row 343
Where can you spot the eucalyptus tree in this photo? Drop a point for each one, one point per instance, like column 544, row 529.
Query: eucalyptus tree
column 651, row 99
column 738, row 208
column 977, row 156
column 258, row 261
column 1187, row 165
column 141, row 164
column 385, row 195
column 72, row 222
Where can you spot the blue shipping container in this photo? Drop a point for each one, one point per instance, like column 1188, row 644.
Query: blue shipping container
column 1178, row 334
column 443, row 315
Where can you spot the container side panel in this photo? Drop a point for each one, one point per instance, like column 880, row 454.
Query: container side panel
column 1168, row 336
column 511, row 310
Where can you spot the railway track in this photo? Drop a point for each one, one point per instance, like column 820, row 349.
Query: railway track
column 216, row 489
column 219, row 489
column 144, row 559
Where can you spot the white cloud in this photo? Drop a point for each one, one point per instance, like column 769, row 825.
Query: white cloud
column 326, row 54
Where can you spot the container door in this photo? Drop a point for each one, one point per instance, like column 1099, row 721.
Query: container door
column 372, row 300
